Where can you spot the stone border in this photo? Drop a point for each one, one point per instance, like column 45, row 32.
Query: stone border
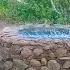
column 33, row 54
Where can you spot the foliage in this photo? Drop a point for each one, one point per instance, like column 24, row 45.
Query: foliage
column 55, row 11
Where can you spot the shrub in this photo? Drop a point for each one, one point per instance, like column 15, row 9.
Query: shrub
column 55, row 11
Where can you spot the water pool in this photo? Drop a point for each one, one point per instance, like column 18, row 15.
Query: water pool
column 45, row 32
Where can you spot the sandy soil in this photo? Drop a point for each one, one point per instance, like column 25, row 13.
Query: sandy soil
column 5, row 24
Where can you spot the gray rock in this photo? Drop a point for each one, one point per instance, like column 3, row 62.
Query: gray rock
column 61, row 52
column 53, row 65
column 66, row 64
column 29, row 47
column 44, row 68
column 8, row 65
column 37, row 51
column 4, row 52
column 43, row 61
column 16, row 49
column 1, row 58
column 64, row 58
column 63, row 69
column 35, row 63
column 14, row 68
column 1, row 65
column 26, row 52
column 51, row 55
column 20, row 64
column 31, row 68
column 47, row 47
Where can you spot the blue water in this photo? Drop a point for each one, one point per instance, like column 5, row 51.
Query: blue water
column 36, row 33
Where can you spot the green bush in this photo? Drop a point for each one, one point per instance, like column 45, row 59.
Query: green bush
column 55, row 11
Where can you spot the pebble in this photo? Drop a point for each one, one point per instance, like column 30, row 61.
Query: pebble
column 66, row 64
column 1, row 58
column 8, row 65
column 17, row 49
column 1, row 65
column 61, row 52
column 26, row 53
column 37, row 52
column 35, row 63
column 63, row 69
column 31, row 68
column 47, row 47
column 29, row 47
column 14, row 68
column 43, row 61
column 52, row 55
column 4, row 51
column 53, row 65
column 44, row 68
column 68, row 43
column 64, row 58
column 20, row 64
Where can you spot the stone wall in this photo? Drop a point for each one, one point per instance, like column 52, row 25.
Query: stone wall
column 20, row 54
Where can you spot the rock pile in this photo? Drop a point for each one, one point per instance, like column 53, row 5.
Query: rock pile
column 17, row 54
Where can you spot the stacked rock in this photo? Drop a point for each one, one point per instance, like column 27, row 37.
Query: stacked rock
column 17, row 54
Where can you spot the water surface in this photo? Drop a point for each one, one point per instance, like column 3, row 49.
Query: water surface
column 42, row 32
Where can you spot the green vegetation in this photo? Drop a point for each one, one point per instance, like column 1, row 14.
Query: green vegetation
column 52, row 11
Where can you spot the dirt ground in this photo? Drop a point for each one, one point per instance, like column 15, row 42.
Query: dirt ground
column 4, row 24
